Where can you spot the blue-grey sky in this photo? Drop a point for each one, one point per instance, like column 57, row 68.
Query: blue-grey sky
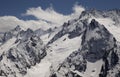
column 16, row 7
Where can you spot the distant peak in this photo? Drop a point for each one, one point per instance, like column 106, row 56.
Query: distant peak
column 29, row 30
column 17, row 28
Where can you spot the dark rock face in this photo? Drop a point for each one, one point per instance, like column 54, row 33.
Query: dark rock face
column 118, row 74
column 97, row 43
column 76, row 32
column 111, row 63
column 113, row 59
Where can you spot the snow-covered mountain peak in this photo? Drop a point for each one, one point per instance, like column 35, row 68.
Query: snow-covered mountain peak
column 17, row 28
column 97, row 44
column 84, row 47
column 96, row 41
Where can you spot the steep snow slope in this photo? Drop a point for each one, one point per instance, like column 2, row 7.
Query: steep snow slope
column 62, row 48
column 9, row 44
column 40, row 70
column 57, row 53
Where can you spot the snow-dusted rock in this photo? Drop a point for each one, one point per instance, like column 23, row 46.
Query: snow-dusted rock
column 28, row 50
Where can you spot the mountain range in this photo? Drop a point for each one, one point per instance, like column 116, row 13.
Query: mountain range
column 87, row 46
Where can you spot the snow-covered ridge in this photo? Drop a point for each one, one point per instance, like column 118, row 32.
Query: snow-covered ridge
column 19, row 52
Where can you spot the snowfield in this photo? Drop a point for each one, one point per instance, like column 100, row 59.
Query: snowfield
column 60, row 50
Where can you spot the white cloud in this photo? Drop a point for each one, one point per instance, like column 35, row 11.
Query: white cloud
column 77, row 9
column 46, row 18
column 52, row 16
column 9, row 22
column 48, row 15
